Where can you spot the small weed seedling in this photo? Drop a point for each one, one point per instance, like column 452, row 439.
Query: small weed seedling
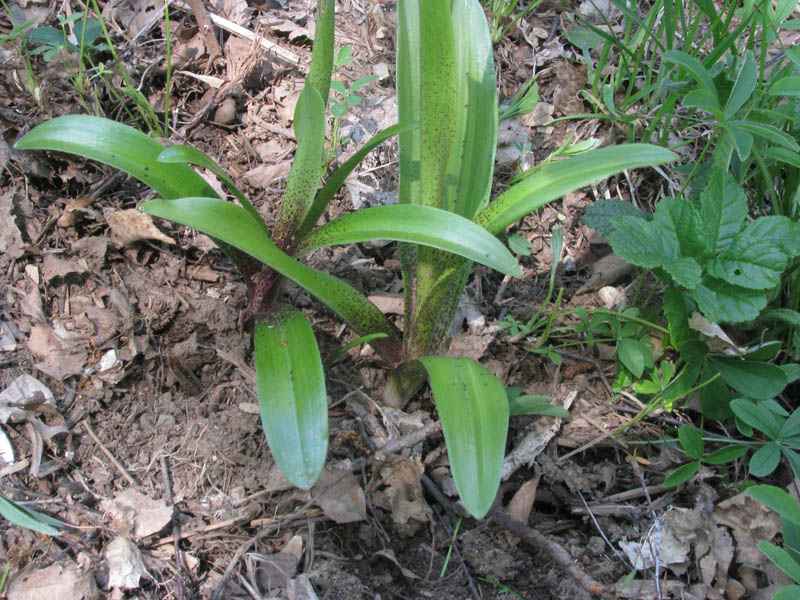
column 503, row 16
column 448, row 113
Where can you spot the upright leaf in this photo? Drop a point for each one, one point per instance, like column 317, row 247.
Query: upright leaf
column 291, row 395
column 723, row 208
column 473, row 409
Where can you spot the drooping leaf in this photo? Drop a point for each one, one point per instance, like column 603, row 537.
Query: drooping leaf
column 696, row 68
column 29, row 518
column 473, row 409
column 758, row 380
column 554, row 181
column 120, row 146
column 768, row 132
column 337, row 178
column 291, row 395
column 232, row 224
column 417, row 224
column 189, row 155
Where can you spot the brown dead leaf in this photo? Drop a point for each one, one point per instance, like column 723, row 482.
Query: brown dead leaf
column 60, row 580
column 55, row 359
column 10, row 236
column 262, row 176
column 54, row 266
column 389, row 554
column 132, row 16
column 388, row 304
column 275, row 570
column 750, row 522
column 344, row 501
column 135, row 514
column 93, row 249
column 74, row 211
column 396, row 487
column 131, row 225
column 570, row 79
column 606, row 271
column 522, row 502
column 472, row 345
column 125, row 565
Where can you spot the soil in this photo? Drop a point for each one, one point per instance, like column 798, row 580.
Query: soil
column 139, row 335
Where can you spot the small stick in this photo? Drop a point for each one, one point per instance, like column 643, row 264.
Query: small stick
column 541, row 542
column 656, row 526
column 176, row 528
column 107, row 452
column 449, row 531
column 589, row 359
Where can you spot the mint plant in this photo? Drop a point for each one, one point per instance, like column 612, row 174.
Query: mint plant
column 447, row 105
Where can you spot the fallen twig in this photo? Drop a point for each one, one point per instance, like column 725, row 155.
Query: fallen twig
column 107, row 452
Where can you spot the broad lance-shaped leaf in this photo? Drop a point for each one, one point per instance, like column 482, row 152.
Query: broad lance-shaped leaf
column 231, row 224
column 419, row 225
column 29, row 518
column 291, row 395
column 473, row 409
column 117, row 145
column 555, row 180
column 337, row 178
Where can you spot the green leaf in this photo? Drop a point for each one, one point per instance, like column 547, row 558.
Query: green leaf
column 419, row 225
column 722, row 302
column 556, row 180
column 725, row 454
column 301, row 187
column 793, row 458
column 691, row 440
column 715, row 400
column 519, row 245
column 677, row 317
column 696, row 68
column 792, row 371
column 765, row 460
column 783, row 561
column 193, row 156
column 778, row 500
column 29, row 518
column 637, row 241
column 791, row 426
column 779, row 230
column 680, row 229
column 723, row 208
column 756, row 416
column 758, row 380
column 291, row 395
column 767, row 132
column 337, row 178
column 231, row 224
column 750, row 262
column 682, row 474
column 117, row 145
column 474, row 412
column 600, row 214
column 535, row 404
column 634, row 355
column 743, row 86
column 322, row 54
column 739, row 139
column 790, row 317
column 787, row 86
column 684, row 271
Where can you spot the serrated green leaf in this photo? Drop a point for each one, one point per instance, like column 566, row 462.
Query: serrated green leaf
column 600, row 214
column 722, row 302
column 682, row 474
column 473, row 409
column 231, row 224
column 765, row 460
column 758, row 380
column 779, row 230
column 677, row 317
column 684, row 271
column 790, row 317
column 636, row 241
column 778, row 500
column 291, row 395
column 691, row 441
column 29, row 518
column 680, row 229
column 555, row 180
column 723, row 208
column 756, row 416
column 120, row 146
column 417, row 224
column 725, row 454
column 750, row 262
